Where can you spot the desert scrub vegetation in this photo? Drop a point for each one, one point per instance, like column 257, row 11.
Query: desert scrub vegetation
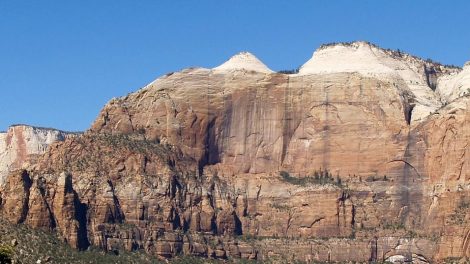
column 394, row 226
column 460, row 213
column 453, row 260
column 280, row 206
column 93, row 148
column 134, row 143
column 397, row 226
column 375, row 178
column 6, row 253
column 293, row 71
column 22, row 244
column 195, row 260
column 322, row 177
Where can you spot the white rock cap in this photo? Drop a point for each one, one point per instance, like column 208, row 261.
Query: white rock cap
column 358, row 56
column 372, row 61
column 466, row 65
column 453, row 86
column 243, row 61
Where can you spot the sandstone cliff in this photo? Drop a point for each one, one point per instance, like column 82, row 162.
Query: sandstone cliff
column 454, row 85
column 346, row 162
column 419, row 77
column 21, row 143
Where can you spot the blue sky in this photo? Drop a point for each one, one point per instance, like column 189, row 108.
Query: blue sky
column 61, row 61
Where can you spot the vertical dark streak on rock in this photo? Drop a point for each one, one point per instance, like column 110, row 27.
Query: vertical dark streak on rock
column 238, row 225
column 211, row 148
column 26, row 185
column 411, row 194
column 226, row 123
column 326, row 132
column 431, row 77
column 81, row 210
column 373, row 250
column 40, row 183
column 405, row 181
column 119, row 217
column 286, row 122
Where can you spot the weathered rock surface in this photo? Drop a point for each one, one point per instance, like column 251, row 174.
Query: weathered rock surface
column 258, row 123
column 22, row 143
column 243, row 162
column 455, row 85
column 243, row 61
column 419, row 77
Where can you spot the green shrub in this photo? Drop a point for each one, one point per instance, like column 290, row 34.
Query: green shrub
column 376, row 178
column 321, row 177
column 463, row 204
column 6, row 253
column 294, row 71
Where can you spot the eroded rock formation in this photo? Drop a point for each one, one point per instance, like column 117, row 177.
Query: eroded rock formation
column 21, row 144
column 342, row 165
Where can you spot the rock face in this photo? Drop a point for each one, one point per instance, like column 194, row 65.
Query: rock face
column 21, row 143
column 446, row 167
column 238, row 161
column 419, row 77
column 455, row 85
column 258, row 123
column 243, row 61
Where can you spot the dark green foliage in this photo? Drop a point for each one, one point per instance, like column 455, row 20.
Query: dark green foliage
column 280, row 207
column 460, row 212
column 94, row 144
column 321, row 177
column 375, row 178
column 453, row 260
column 293, row 71
column 141, row 131
column 6, row 253
column 463, row 204
column 133, row 143
column 394, row 226
column 32, row 245
column 195, row 260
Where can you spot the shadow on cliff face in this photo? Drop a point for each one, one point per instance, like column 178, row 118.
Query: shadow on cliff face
column 411, row 195
column 412, row 182
column 409, row 183
column 211, row 152
column 81, row 210
column 27, row 183
column 287, row 125
column 80, row 215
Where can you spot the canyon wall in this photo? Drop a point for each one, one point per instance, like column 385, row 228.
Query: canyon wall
column 20, row 144
column 239, row 161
